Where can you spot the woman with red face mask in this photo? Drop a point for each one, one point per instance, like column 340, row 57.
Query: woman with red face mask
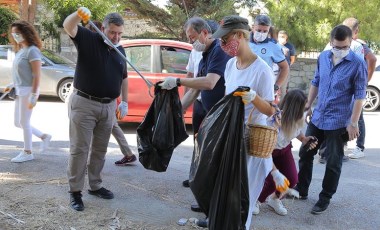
column 248, row 69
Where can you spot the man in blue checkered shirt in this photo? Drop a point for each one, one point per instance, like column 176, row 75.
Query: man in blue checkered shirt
column 340, row 84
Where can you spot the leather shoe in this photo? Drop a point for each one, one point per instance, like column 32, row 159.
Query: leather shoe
column 76, row 201
column 102, row 193
column 196, row 208
column 320, row 207
column 186, row 183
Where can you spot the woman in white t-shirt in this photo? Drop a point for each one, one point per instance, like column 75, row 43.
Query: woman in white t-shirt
column 26, row 73
column 247, row 69
column 292, row 122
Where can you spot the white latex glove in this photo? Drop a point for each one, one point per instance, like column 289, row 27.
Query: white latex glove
column 84, row 13
column 33, row 97
column 282, row 183
column 8, row 88
column 169, row 83
column 122, row 110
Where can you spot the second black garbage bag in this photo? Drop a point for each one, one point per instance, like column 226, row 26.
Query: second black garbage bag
column 218, row 175
column 162, row 130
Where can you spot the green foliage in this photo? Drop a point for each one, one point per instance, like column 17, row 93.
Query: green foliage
column 98, row 8
column 6, row 18
column 170, row 22
column 309, row 22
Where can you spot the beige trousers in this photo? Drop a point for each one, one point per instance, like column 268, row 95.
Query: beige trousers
column 90, row 130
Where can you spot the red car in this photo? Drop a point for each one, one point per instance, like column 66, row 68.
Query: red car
column 155, row 59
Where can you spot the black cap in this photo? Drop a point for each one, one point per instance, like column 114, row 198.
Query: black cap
column 262, row 20
column 230, row 23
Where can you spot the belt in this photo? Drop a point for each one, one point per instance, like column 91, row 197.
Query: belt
column 93, row 98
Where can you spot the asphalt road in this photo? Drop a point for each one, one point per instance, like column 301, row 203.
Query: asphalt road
column 158, row 200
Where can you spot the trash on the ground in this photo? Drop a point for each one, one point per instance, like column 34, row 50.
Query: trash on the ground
column 182, row 221
column 193, row 220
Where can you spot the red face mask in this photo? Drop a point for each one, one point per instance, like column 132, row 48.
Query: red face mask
column 231, row 47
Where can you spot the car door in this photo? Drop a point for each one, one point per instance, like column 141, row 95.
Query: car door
column 6, row 61
column 141, row 57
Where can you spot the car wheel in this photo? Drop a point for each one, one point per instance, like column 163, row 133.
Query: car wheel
column 64, row 88
column 372, row 99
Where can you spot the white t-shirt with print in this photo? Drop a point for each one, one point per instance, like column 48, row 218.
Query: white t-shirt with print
column 193, row 63
column 258, row 76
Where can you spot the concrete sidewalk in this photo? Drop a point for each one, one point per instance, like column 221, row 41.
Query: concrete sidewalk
column 37, row 192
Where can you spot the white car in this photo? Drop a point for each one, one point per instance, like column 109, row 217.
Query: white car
column 373, row 91
column 57, row 72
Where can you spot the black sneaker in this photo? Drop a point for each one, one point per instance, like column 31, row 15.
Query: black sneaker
column 186, row 183
column 102, row 193
column 126, row 160
column 319, row 207
column 76, row 201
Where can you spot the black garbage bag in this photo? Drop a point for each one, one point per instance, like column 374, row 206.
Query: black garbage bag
column 162, row 130
column 218, row 175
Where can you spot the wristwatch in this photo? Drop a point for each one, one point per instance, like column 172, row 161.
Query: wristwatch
column 354, row 124
column 276, row 87
column 178, row 81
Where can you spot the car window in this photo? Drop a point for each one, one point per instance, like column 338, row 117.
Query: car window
column 140, row 57
column 174, row 60
column 5, row 53
column 56, row 58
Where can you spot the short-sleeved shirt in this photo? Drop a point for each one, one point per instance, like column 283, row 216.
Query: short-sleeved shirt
column 100, row 70
column 337, row 86
column 22, row 70
column 258, row 76
column 269, row 51
column 214, row 60
column 289, row 51
column 193, row 63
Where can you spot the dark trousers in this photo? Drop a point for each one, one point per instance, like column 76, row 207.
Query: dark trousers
column 359, row 141
column 334, row 146
column 199, row 113
column 284, row 162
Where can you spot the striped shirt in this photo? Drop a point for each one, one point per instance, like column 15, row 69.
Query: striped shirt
column 337, row 86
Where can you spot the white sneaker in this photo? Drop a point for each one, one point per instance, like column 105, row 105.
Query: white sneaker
column 277, row 205
column 22, row 157
column 45, row 143
column 256, row 208
column 356, row 153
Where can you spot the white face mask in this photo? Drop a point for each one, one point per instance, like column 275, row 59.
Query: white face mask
column 340, row 54
column 117, row 45
column 17, row 37
column 258, row 36
column 198, row 46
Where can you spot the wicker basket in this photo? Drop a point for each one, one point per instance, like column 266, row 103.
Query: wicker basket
column 260, row 140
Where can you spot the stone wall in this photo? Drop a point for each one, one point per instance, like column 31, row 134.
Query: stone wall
column 301, row 73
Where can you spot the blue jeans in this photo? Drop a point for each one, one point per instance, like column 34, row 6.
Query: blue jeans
column 361, row 139
column 334, row 146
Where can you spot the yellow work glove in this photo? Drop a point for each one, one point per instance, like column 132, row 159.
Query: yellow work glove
column 84, row 13
column 282, row 183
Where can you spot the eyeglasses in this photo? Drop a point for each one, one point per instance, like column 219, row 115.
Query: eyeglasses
column 340, row 47
column 225, row 39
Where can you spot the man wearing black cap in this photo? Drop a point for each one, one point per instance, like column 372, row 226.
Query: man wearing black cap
column 267, row 50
